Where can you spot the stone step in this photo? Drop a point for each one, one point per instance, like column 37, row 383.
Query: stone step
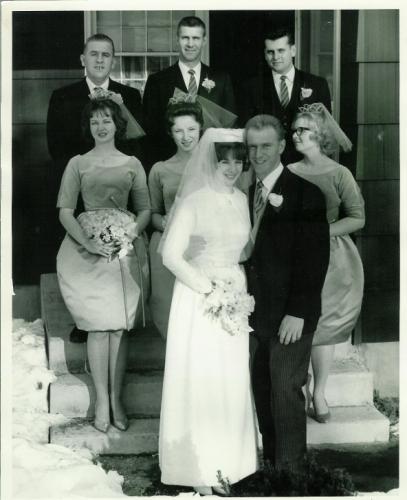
column 350, row 424
column 349, row 384
column 141, row 437
column 73, row 395
column 363, row 424
column 146, row 349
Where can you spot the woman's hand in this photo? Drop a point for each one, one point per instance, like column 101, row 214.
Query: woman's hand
column 106, row 250
column 132, row 230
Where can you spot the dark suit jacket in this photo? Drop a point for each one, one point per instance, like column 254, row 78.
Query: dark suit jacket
column 290, row 258
column 64, row 132
column 259, row 96
column 158, row 90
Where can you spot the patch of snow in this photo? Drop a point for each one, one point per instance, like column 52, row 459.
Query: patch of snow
column 40, row 469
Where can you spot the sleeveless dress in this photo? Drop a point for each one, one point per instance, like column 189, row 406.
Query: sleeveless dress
column 342, row 292
column 207, row 416
column 163, row 182
column 102, row 295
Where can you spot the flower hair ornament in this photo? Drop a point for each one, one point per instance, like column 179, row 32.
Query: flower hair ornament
column 181, row 97
column 133, row 128
column 319, row 109
column 213, row 114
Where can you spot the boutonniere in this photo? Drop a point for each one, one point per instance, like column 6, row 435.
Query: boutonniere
column 208, row 84
column 305, row 93
column 276, row 201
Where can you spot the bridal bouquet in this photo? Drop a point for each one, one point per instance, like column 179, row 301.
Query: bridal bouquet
column 107, row 226
column 229, row 306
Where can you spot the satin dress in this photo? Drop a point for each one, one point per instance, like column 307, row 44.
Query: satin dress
column 207, row 419
column 103, row 295
column 163, row 182
column 342, row 292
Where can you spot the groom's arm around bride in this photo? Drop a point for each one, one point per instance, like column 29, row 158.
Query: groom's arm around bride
column 285, row 273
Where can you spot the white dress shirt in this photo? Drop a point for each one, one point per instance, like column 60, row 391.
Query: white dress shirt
column 186, row 76
column 270, row 179
column 92, row 86
column 289, row 81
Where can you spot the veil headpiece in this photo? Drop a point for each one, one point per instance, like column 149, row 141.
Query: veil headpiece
column 332, row 126
column 200, row 169
column 133, row 128
column 213, row 114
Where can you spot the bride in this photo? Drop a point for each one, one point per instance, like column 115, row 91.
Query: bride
column 207, row 425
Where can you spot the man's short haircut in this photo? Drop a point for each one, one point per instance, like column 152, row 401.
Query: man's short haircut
column 260, row 122
column 280, row 33
column 98, row 37
column 191, row 22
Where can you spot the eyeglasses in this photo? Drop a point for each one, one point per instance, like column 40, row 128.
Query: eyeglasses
column 299, row 130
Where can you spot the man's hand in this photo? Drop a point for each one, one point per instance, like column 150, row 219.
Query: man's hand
column 290, row 329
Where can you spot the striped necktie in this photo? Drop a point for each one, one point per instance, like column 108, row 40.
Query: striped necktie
column 258, row 200
column 192, row 88
column 284, row 97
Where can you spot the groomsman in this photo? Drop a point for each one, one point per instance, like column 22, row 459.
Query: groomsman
column 282, row 88
column 189, row 74
column 64, row 130
column 285, row 274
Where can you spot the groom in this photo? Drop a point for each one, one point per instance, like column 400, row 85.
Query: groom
column 286, row 272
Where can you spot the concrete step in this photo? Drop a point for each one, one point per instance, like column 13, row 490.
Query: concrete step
column 141, row 437
column 350, row 424
column 73, row 395
column 146, row 350
column 362, row 424
column 349, row 384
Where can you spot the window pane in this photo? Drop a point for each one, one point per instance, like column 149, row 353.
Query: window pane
column 107, row 18
column 115, row 34
column 327, row 31
column 159, row 18
column 134, row 39
column 177, row 15
column 116, row 72
column 133, row 18
column 159, row 40
column 133, row 67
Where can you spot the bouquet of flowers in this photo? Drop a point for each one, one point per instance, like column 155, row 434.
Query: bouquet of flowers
column 110, row 227
column 229, row 306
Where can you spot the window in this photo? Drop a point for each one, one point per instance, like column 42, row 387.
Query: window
column 145, row 41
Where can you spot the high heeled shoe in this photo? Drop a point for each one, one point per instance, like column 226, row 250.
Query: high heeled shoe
column 321, row 418
column 219, row 490
column 101, row 426
column 122, row 425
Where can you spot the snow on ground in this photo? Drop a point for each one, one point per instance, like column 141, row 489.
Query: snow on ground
column 43, row 470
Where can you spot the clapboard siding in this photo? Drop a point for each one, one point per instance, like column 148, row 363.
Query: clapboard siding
column 378, row 152
column 378, row 172
column 378, row 98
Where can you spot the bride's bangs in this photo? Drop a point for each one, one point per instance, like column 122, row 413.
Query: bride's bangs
column 237, row 149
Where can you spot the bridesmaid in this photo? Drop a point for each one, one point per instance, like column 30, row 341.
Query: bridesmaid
column 315, row 135
column 103, row 294
column 184, row 124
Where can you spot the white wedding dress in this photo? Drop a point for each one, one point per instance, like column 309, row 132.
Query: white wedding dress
column 207, row 415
